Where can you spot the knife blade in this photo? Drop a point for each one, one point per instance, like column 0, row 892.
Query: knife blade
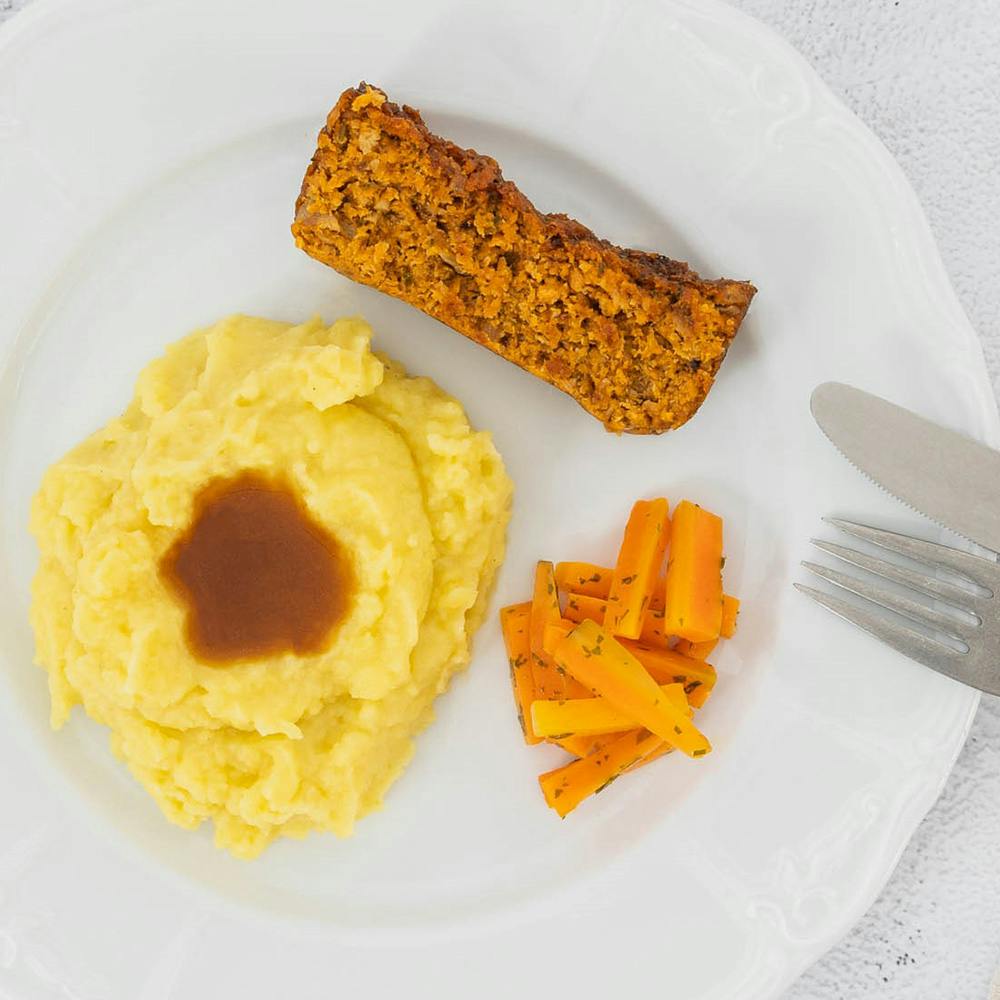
column 942, row 474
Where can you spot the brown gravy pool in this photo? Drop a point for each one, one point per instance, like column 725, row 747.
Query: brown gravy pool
column 258, row 574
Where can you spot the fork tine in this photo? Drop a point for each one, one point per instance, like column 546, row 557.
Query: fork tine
column 894, row 634
column 912, row 578
column 985, row 572
column 914, row 610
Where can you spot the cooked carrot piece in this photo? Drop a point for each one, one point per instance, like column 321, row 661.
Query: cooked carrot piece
column 693, row 597
column 667, row 666
column 583, row 578
column 579, row 607
column 544, row 603
column 562, row 684
column 566, row 787
column 696, row 650
column 578, row 746
column 608, row 669
column 555, row 632
column 638, row 567
column 550, row 681
column 514, row 621
column 544, row 609
column 605, row 740
column 661, row 751
column 582, row 746
column 730, row 609
column 591, row 716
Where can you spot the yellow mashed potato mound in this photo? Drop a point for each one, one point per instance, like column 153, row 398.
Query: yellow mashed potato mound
column 387, row 463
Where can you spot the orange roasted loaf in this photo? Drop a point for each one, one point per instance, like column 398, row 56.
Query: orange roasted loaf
column 635, row 338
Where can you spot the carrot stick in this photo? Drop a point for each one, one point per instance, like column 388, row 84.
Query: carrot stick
column 550, row 680
column 605, row 740
column 566, row 787
column 591, row 716
column 578, row 746
column 693, row 588
column 661, row 751
column 667, row 666
column 584, row 578
column 696, row 650
column 544, row 603
column 544, row 609
column 514, row 621
column 579, row 607
column 555, row 632
column 730, row 609
column 638, row 567
column 608, row 669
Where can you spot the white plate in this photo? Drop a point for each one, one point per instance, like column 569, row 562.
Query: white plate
column 151, row 153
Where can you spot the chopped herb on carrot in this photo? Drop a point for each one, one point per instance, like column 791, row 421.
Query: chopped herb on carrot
column 583, row 578
column 580, row 607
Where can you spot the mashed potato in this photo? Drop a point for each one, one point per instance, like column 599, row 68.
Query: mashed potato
column 387, row 463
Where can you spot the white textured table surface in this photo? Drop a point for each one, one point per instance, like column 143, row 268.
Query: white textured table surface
column 925, row 75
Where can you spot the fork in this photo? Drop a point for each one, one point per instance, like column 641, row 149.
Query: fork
column 971, row 621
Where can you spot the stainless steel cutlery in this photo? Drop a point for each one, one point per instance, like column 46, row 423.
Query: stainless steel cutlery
column 941, row 606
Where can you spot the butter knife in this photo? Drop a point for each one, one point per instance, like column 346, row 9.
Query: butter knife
column 940, row 473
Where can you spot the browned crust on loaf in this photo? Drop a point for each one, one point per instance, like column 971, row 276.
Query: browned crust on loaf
column 634, row 337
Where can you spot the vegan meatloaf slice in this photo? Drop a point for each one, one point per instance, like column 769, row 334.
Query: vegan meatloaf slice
column 635, row 338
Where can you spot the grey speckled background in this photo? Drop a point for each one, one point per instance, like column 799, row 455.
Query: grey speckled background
column 925, row 75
